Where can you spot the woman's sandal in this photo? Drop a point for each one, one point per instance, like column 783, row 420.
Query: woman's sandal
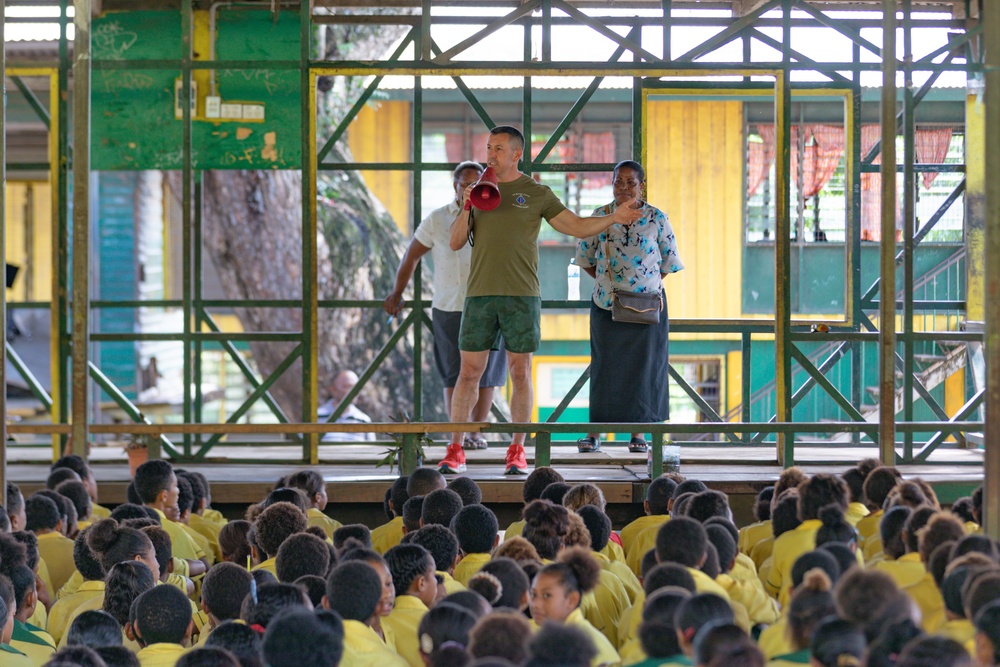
column 637, row 446
column 588, row 445
column 475, row 442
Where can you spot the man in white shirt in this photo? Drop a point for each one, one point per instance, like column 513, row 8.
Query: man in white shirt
column 342, row 384
column 451, row 276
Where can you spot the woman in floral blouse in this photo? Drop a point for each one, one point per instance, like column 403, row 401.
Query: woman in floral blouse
column 628, row 368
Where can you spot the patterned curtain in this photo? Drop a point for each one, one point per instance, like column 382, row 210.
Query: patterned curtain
column 871, row 191
column 760, row 155
column 823, row 150
column 932, row 148
column 598, row 147
column 456, row 150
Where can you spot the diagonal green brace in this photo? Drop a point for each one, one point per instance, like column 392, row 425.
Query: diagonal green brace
column 570, row 395
column 705, row 408
column 245, row 369
column 33, row 384
column 637, row 51
column 130, row 409
column 500, row 22
column 33, row 101
column 963, row 413
column 252, row 398
column 362, row 100
column 845, row 30
column 829, row 388
column 729, row 34
column 470, row 96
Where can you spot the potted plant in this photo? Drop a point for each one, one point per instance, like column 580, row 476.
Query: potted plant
column 137, row 450
column 396, row 453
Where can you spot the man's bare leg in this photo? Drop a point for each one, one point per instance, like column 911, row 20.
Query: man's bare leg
column 522, row 397
column 448, row 393
column 481, row 411
column 466, row 392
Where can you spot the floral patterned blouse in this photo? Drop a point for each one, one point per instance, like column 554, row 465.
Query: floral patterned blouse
column 641, row 254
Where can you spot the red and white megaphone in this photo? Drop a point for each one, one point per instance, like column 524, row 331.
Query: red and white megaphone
column 485, row 194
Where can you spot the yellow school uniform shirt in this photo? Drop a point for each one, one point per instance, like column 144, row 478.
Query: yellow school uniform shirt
column 215, row 516
column 869, row 537
column 960, row 629
column 513, row 530
column 606, row 653
column 61, row 611
column 364, row 648
column 470, row 565
column 387, row 535
column 614, row 552
column 203, row 544
column 631, row 531
column 43, row 574
column 98, row 512
column 855, row 513
column 759, row 606
column 210, row 531
column 450, row 585
column 926, row 595
column 40, row 619
column 773, row 641
column 318, row 518
column 705, row 584
column 906, row 570
column 38, row 646
column 628, row 626
column 744, row 570
column 270, row 565
column 160, row 655
column 181, row 543
column 603, row 607
column 752, row 534
column 631, row 583
column 787, row 549
column 644, row 541
column 632, row 654
column 761, row 552
column 404, row 619
column 89, row 604
column 57, row 552
column 71, row 586
column 11, row 657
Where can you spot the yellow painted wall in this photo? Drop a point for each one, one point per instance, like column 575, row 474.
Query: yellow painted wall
column 694, row 173
column 39, row 263
column 734, row 382
column 954, row 394
column 384, row 135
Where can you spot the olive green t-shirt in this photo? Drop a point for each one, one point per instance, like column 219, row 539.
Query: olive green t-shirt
column 505, row 253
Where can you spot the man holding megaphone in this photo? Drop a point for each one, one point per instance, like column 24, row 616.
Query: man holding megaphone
column 501, row 217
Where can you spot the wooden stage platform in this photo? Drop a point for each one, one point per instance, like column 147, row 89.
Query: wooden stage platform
column 354, row 478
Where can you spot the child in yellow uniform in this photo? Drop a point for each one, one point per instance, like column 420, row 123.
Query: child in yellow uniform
column 353, row 590
column 222, row 593
column 32, row 641
column 44, row 519
column 389, row 534
column 659, row 499
column 312, row 484
column 302, row 637
column 476, row 530
column 446, row 623
column 77, row 493
column 273, row 526
column 86, row 475
column 300, row 555
column 760, row 608
column 657, row 643
column 156, row 486
column 877, row 487
column 750, row 535
column 162, row 626
column 413, row 577
column 443, row 547
column 811, row 603
column 92, row 578
column 10, row 656
column 987, row 639
column 557, row 591
column 837, row 643
column 531, row 491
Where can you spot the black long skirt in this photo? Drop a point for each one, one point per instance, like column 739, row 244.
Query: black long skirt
column 628, row 369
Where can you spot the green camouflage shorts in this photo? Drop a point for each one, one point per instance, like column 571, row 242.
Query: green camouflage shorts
column 486, row 318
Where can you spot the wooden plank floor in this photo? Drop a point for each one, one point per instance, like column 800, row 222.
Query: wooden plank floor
column 354, row 477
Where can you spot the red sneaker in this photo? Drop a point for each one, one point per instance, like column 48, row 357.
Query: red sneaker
column 516, row 462
column 454, row 460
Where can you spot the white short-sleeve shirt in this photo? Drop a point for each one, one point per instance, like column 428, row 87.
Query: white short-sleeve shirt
column 451, row 268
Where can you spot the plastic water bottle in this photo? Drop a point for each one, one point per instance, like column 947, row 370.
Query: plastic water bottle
column 671, row 458
column 573, row 281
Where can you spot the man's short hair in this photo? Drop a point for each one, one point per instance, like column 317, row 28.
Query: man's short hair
column 301, row 554
column 398, row 495
column 95, row 629
column 276, row 524
column 314, row 587
column 422, row 481
column 223, row 590
column 60, row 475
column 357, row 531
column 668, row 575
column 271, row 600
column 456, row 174
column 725, row 545
column 413, row 508
column 681, row 540
column 298, row 637
column 467, row 488
column 240, row 640
column 151, row 478
column 441, row 506
column 537, row 481
column 516, row 138
column 689, row 486
column 657, row 633
column 659, row 493
column 708, row 504
column 439, row 541
column 162, row 615
column 353, row 590
column 476, row 529
column 42, row 513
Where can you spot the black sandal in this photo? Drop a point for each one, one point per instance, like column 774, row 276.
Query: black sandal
column 637, row 446
column 588, row 445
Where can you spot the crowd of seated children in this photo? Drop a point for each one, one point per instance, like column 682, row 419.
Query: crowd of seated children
column 863, row 568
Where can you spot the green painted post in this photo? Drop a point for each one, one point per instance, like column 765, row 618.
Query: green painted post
column 409, row 459
column 543, row 448
column 656, row 455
